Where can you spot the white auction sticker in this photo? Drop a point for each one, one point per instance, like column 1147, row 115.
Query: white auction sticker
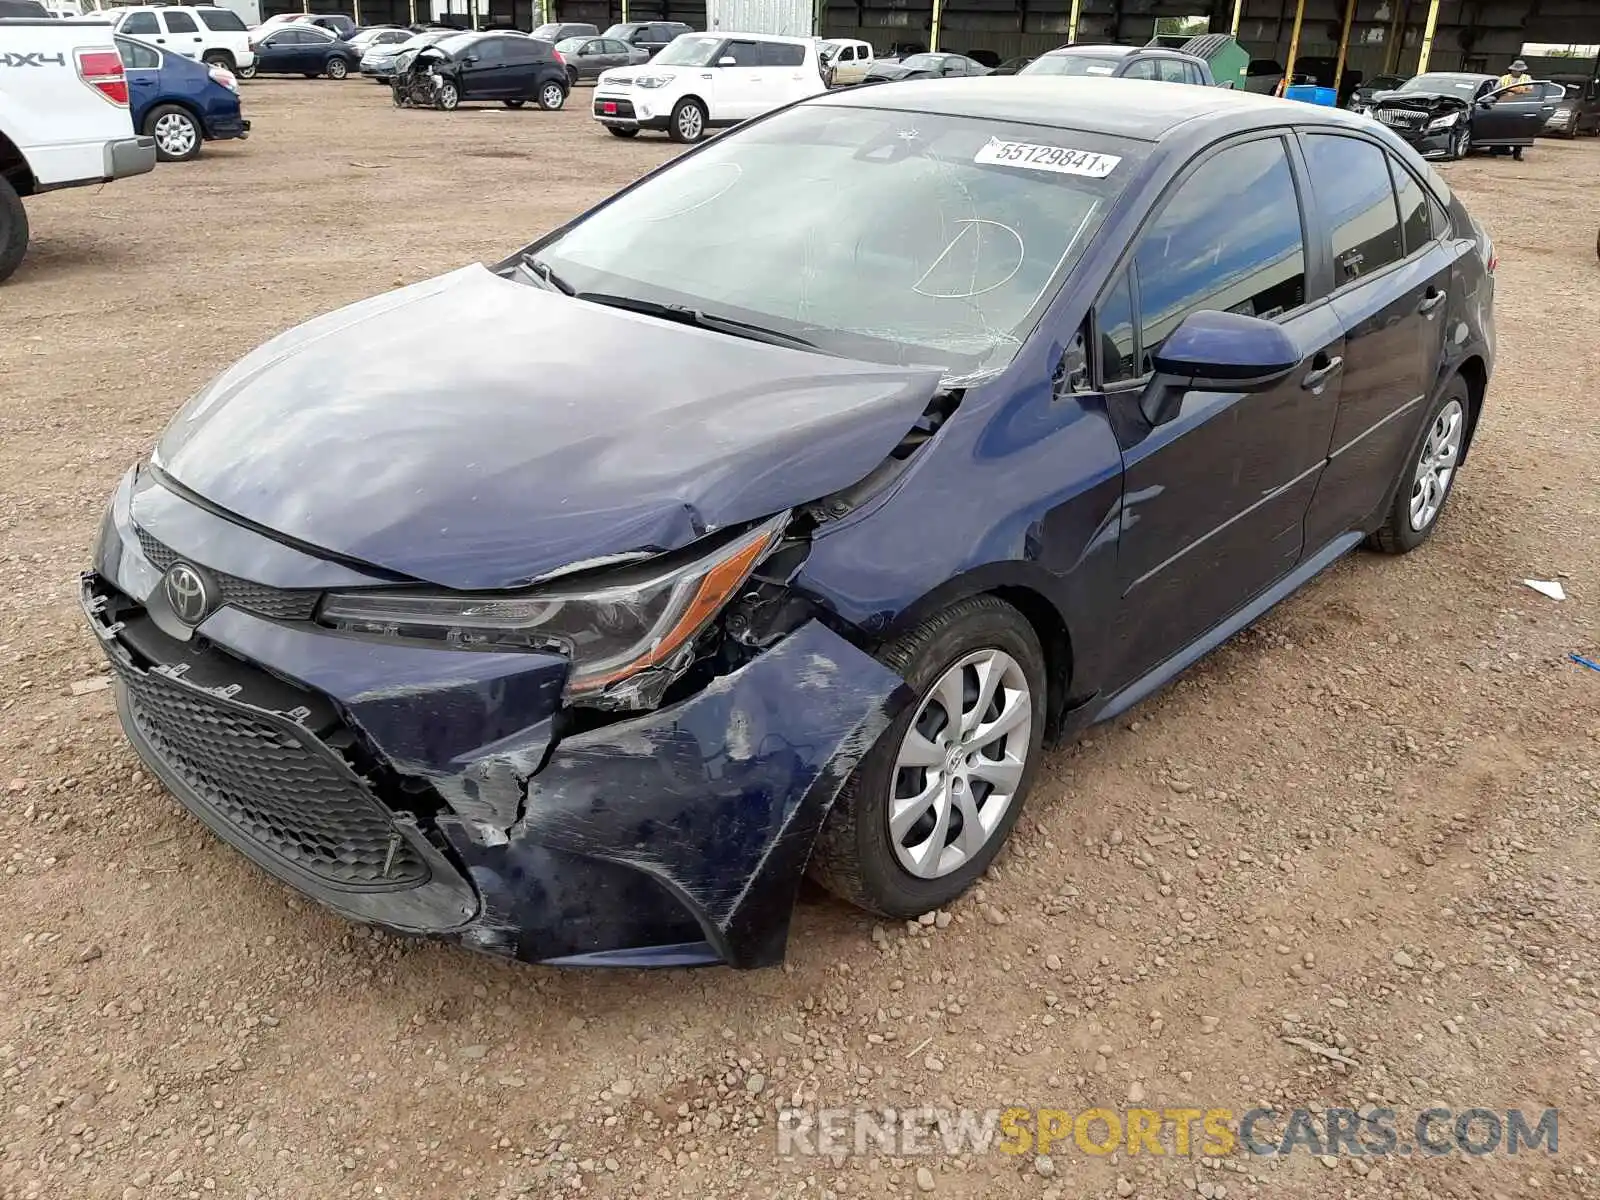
column 1059, row 159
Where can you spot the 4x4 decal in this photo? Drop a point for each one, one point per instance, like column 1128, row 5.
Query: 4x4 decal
column 35, row 59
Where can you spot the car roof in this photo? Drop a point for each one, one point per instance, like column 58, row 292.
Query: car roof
column 750, row 37
column 1106, row 51
column 1135, row 108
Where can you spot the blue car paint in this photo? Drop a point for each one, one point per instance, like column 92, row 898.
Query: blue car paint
column 672, row 837
column 188, row 84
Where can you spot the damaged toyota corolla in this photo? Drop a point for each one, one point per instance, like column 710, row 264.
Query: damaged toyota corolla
column 767, row 518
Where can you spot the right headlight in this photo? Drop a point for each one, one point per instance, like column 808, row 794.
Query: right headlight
column 652, row 81
column 1444, row 122
column 627, row 622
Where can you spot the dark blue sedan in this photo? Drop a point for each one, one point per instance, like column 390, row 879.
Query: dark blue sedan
column 854, row 455
column 178, row 101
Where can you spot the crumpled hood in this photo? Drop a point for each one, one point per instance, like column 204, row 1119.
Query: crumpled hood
column 475, row 432
column 1429, row 102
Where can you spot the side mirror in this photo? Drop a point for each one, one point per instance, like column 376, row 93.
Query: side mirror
column 471, row 58
column 1217, row 351
column 727, row 60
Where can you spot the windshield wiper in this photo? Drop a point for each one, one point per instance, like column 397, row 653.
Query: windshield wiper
column 541, row 270
column 699, row 318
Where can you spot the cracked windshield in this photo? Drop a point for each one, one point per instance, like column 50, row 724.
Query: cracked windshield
column 896, row 237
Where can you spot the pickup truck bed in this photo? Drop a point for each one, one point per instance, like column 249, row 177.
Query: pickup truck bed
column 63, row 119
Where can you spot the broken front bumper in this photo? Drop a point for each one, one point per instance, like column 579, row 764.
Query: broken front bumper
column 418, row 788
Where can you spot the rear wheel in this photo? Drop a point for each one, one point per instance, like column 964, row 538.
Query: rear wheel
column 1428, row 474
column 176, row 132
column 246, row 72
column 219, row 58
column 688, row 122
column 552, row 96
column 935, row 798
column 13, row 230
column 337, row 68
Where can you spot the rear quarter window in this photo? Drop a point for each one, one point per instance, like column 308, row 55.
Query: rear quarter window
column 220, row 20
column 781, row 54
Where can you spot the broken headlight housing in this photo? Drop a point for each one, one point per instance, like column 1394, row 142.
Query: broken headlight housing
column 612, row 627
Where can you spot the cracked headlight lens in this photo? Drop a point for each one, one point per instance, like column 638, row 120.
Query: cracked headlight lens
column 611, row 628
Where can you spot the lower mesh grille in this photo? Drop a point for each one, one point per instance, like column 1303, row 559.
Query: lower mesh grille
column 271, row 785
column 281, row 604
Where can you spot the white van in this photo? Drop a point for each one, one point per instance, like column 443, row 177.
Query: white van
column 848, row 59
column 705, row 81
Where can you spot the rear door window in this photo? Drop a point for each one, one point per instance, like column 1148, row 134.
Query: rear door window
column 1143, row 69
column 141, row 24
column 1416, row 226
column 136, row 55
column 1198, row 255
column 1350, row 180
column 1172, row 70
column 781, row 54
column 180, row 22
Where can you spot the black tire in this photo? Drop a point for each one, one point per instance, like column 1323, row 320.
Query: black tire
column 513, row 103
column 337, row 68
column 1460, row 143
column 246, row 72
column 681, row 128
column 447, row 96
column 219, row 58
column 13, row 230
column 310, row 74
column 184, row 144
column 621, row 133
column 854, row 857
column 1516, row 153
column 552, row 96
column 1397, row 535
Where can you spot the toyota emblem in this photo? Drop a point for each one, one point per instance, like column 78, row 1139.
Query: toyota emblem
column 187, row 593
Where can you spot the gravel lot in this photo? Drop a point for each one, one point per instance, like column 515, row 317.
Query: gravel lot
column 1369, row 822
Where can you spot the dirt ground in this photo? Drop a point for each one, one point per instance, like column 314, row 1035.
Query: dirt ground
column 1369, row 822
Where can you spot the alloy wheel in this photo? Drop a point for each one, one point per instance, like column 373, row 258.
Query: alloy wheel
column 690, row 123
column 1462, row 139
column 176, row 135
column 1441, row 451
column 552, row 96
column 337, row 69
column 448, row 96
column 960, row 763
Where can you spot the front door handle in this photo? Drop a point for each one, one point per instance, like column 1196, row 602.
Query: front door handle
column 1323, row 367
column 1431, row 299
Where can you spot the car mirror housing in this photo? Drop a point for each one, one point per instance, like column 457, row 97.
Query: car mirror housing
column 727, row 60
column 1226, row 351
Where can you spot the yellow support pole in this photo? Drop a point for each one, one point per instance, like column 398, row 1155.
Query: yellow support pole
column 413, row 12
column 358, row 12
column 933, row 32
column 1072, row 21
column 1294, row 44
column 624, row 12
column 1238, row 12
column 1427, row 36
column 1344, row 43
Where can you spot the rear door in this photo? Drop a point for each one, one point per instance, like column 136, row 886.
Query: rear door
column 183, row 32
column 1215, row 499
column 142, row 65
column 1391, row 280
column 783, row 76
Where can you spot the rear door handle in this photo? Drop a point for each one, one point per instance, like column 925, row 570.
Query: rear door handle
column 1320, row 375
column 1431, row 300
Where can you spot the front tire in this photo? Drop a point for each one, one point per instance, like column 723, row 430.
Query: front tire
column 448, row 96
column 930, row 805
column 513, row 103
column 552, row 96
column 1460, row 143
column 1428, row 474
column 176, row 132
column 13, row 230
column 621, row 133
column 337, row 68
column 688, row 122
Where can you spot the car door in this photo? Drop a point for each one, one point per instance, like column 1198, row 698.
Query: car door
column 1391, row 286
column 182, row 33
column 1214, row 498
column 480, row 70
column 275, row 53
column 738, row 82
column 1502, row 115
column 142, row 66
column 783, row 76
column 316, row 47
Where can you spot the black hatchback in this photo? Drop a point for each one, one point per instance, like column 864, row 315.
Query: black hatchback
column 510, row 68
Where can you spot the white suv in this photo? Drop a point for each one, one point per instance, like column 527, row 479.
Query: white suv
column 705, row 80
column 212, row 35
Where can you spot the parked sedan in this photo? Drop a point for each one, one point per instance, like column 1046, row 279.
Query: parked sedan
column 510, row 68
column 923, row 66
column 588, row 56
column 1578, row 111
column 775, row 553
column 1451, row 113
column 378, row 35
column 1153, row 63
column 381, row 62
column 179, row 102
column 1369, row 89
column 302, row 49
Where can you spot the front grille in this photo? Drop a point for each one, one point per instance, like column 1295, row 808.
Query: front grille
column 613, row 108
column 280, row 604
column 1401, row 118
column 270, row 784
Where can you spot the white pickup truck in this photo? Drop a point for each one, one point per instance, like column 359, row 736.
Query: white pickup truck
column 64, row 118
